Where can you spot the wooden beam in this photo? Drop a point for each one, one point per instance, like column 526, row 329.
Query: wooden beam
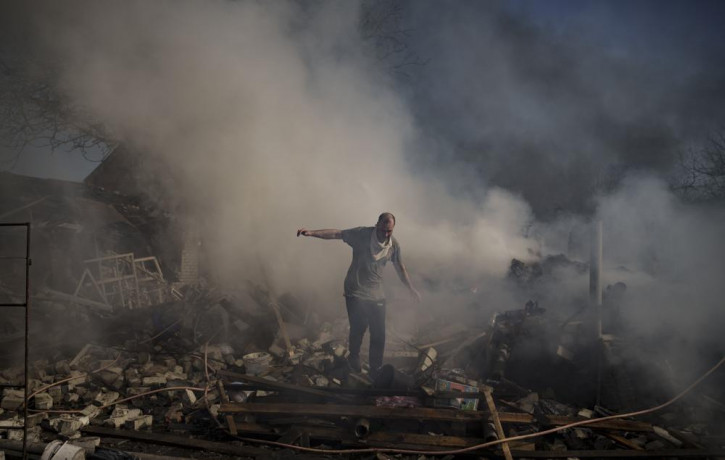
column 280, row 386
column 230, row 418
column 340, row 410
column 420, row 413
column 497, row 423
column 559, row 420
column 622, row 440
column 171, row 440
column 386, row 438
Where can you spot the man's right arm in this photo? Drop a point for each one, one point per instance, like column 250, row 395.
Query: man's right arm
column 325, row 234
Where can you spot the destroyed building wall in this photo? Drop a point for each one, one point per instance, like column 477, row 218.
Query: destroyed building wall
column 147, row 184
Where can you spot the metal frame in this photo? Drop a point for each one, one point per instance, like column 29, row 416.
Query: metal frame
column 25, row 305
column 124, row 281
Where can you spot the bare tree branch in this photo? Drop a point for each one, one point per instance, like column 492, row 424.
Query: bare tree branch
column 381, row 25
column 33, row 111
column 701, row 175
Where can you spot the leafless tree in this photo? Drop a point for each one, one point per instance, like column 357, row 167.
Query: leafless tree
column 702, row 172
column 34, row 111
column 381, row 25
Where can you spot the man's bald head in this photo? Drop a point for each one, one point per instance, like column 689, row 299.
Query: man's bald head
column 384, row 227
column 384, row 217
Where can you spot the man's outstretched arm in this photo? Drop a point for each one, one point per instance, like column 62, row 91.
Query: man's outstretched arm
column 405, row 278
column 325, row 234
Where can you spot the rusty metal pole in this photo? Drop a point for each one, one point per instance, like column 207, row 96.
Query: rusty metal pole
column 28, row 262
column 595, row 274
column 595, row 297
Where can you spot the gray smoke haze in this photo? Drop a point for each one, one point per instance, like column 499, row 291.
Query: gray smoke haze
column 275, row 115
column 271, row 117
column 578, row 105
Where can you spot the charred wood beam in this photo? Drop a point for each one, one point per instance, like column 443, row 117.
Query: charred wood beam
column 622, row 440
column 418, row 413
column 497, row 423
column 684, row 453
column 559, row 420
column 229, row 418
column 171, row 440
column 386, row 439
column 340, row 410
column 280, row 386
column 337, row 393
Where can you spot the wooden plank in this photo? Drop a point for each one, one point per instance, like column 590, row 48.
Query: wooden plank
column 230, row 418
column 245, row 427
column 497, row 423
column 387, row 438
column 420, row 413
column 420, row 439
column 167, row 439
column 558, row 420
column 622, row 440
column 82, row 283
column 292, row 435
column 340, row 410
column 280, row 386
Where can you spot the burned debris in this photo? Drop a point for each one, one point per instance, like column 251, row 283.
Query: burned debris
column 262, row 378
column 162, row 364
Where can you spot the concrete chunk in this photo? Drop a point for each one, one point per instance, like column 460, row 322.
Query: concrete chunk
column 106, row 398
column 78, row 378
column 13, row 392
column 87, row 443
column 120, row 415
column 139, row 422
column 91, row 411
column 43, row 401
column 155, row 380
column 56, row 393
column 14, row 422
column 68, row 425
column 11, row 402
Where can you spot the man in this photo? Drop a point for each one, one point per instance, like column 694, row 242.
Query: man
column 372, row 248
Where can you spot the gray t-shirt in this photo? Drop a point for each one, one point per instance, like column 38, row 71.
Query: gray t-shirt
column 364, row 278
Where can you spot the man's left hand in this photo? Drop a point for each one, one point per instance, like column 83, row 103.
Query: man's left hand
column 415, row 294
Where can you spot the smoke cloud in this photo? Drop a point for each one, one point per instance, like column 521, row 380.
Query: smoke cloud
column 271, row 116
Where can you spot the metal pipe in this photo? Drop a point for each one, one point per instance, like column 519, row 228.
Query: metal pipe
column 489, row 432
column 595, row 298
column 595, row 265
column 362, row 428
column 28, row 262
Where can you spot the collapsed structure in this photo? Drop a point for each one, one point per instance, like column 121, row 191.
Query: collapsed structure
column 167, row 362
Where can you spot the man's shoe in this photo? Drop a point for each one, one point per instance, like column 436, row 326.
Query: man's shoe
column 354, row 363
column 374, row 373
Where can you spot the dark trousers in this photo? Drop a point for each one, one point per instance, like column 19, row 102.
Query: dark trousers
column 363, row 314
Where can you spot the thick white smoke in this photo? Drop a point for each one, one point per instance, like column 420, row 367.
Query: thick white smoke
column 272, row 116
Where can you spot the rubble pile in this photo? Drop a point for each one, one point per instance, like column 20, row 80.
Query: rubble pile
column 206, row 370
